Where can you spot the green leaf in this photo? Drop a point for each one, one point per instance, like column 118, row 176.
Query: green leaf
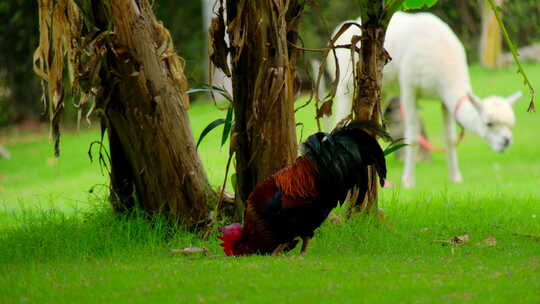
column 417, row 4
column 394, row 146
column 208, row 88
column 514, row 51
column 393, row 149
column 391, row 6
column 227, row 127
column 209, row 128
column 233, row 180
column 190, row 91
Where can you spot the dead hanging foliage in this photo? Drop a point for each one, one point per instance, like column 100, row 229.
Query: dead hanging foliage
column 218, row 47
column 324, row 107
column 238, row 30
column 70, row 39
column 63, row 35
column 59, row 22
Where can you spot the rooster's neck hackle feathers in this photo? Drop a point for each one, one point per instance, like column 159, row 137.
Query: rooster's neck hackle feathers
column 298, row 180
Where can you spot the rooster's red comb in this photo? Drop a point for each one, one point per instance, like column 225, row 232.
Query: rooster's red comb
column 231, row 234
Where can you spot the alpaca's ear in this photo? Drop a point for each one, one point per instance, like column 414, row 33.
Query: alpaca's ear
column 476, row 102
column 513, row 98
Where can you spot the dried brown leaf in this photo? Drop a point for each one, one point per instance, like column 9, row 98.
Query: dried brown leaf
column 380, row 214
column 189, row 251
column 459, row 240
column 218, row 47
column 490, row 241
column 325, row 109
column 334, row 219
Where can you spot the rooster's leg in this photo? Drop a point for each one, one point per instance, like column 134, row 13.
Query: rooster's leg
column 279, row 249
column 305, row 241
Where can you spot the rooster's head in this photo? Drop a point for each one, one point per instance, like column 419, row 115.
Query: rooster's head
column 230, row 237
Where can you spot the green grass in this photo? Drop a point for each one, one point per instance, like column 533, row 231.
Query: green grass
column 59, row 242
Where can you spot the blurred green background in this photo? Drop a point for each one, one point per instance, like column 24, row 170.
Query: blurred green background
column 20, row 90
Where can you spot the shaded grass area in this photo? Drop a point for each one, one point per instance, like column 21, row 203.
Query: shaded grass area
column 59, row 242
column 95, row 257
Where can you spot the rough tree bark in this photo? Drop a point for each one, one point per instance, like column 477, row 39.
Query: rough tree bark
column 140, row 94
column 263, row 73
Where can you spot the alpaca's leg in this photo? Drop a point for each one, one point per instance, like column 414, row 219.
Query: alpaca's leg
column 412, row 130
column 450, row 138
column 424, row 153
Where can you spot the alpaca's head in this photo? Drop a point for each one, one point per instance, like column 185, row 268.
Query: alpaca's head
column 497, row 118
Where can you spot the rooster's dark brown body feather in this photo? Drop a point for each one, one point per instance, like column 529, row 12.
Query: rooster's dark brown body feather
column 296, row 200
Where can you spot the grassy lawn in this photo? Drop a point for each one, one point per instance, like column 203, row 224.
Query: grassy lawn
column 60, row 243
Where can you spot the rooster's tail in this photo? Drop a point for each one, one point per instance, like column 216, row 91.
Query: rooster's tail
column 343, row 156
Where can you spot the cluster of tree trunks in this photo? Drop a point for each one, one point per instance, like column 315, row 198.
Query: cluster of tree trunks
column 142, row 101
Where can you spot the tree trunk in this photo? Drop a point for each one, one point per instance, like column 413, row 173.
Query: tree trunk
column 368, row 78
column 491, row 38
column 152, row 146
column 140, row 91
column 263, row 72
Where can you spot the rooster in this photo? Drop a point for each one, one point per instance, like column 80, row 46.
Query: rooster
column 295, row 201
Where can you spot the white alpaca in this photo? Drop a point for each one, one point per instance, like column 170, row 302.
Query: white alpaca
column 428, row 60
